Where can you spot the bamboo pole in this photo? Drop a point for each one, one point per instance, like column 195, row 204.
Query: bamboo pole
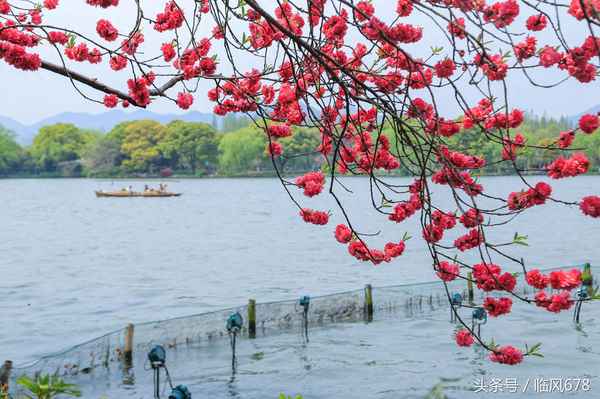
column 470, row 287
column 369, row 302
column 128, row 350
column 252, row 318
column 5, row 378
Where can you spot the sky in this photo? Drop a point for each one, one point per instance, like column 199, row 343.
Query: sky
column 31, row 96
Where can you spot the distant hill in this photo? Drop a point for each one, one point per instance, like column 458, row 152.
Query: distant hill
column 103, row 121
column 107, row 120
column 13, row 125
column 575, row 118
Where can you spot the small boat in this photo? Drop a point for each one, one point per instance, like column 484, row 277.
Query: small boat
column 145, row 194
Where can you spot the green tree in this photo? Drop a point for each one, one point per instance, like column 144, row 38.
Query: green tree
column 59, row 143
column 591, row 145
column 233, row 122
column 299, row 150
column 140, row 145
column 190, row 145
column 102, row 157
column 242, row 151
column 11, row 153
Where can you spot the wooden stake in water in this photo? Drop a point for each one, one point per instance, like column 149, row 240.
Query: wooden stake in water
column 252, row 318
column 5, row 378
column 128, row 350
column 470, row 287
column 369, row 302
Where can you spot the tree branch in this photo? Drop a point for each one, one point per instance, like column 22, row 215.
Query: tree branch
column 95, row 84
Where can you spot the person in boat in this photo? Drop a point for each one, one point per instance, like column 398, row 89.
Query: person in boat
column 146, row 188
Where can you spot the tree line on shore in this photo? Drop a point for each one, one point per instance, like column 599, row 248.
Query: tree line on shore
column 147, row 148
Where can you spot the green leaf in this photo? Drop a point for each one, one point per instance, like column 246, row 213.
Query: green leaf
column 436, row 50
column 536, row 347
column 385, row 203
column 520, row 240
column 534, row 350
column 47, row 387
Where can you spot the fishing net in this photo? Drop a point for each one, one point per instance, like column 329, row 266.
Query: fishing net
column 104, row 356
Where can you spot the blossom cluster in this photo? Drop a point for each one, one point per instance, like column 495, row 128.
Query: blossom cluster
column 561, row 280
column 526, row 199
column 312, row 183
column 489, row 277
column 360, row 251
column 469, row 241
column 314, row 217
column 447, row 271
column 561, row 167
column 440, row 222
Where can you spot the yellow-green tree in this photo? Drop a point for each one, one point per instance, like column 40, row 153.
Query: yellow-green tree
column 117, row 133
column 140, row 145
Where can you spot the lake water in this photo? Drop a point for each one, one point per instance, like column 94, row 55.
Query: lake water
column 73, row 266
column 396, row 356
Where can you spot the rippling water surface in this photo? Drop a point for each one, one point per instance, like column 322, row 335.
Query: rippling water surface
column 73, row 266
column 404, row 353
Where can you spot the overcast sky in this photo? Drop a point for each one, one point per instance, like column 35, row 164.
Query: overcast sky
column 31, row 96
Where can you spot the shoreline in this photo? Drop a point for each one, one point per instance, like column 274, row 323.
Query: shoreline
column 240, row 176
